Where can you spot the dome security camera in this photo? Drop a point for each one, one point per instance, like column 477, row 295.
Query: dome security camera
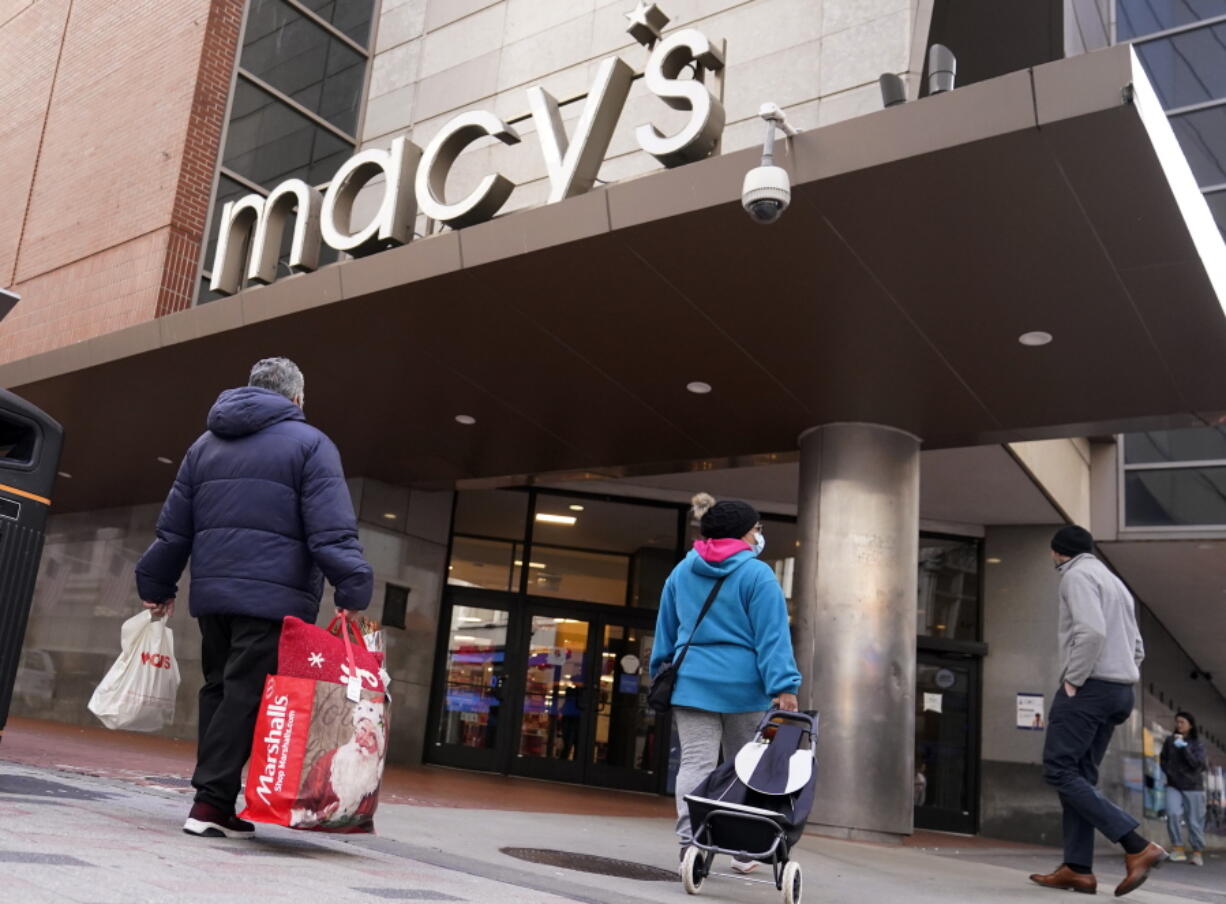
column 766, row 193
column 767, row 189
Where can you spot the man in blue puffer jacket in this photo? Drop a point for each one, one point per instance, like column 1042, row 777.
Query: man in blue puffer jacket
column 261, row 507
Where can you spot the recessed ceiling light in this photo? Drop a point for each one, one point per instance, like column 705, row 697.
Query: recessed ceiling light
column 568, row 520
column 1035, row 338
column 64, row 474
column 466, row 419
column 698, row 387
column 390, row 516
column 992, row 560
column 575, row 508
column 164, row 460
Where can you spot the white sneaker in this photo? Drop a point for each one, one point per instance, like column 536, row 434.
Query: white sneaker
column 744, row 867
column 1178, row 856
column 1197, row 859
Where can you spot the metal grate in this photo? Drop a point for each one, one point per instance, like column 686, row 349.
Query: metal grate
column 590, row 863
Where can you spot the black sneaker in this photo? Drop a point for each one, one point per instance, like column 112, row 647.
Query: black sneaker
column 207, row 821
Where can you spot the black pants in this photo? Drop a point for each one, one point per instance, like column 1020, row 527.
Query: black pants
column 237, row 653
column 1078, row 733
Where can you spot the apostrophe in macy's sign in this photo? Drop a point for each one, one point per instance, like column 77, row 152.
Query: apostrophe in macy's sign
column 414, row 180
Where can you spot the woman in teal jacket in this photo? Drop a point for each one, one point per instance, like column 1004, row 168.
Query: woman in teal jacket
column 740, row 662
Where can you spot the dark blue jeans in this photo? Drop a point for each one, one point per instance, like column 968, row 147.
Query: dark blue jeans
column 1079, row 730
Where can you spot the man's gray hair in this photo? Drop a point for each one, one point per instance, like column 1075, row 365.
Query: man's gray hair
column 280, row 375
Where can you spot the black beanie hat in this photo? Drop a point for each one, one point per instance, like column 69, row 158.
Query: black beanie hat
column 1072, row 541
column 729, row 518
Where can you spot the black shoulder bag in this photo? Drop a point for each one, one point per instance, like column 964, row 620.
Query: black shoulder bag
column 660, row 696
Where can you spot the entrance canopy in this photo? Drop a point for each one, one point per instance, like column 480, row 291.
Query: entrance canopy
column 921, row 242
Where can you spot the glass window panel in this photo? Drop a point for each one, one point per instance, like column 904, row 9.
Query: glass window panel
column 1137, row 18
column 352, row 17
column 575, row 574
column 476, row 677
column 782, row 540
column 478, row 562
column 269, row 142
column 500, row 514
column 1188, row 68
column 948, row 597
column 1198, row 444
column 554, row 692
column 1185, row 496
column 1202, row 135
column 603, row 551
column 298, row 57
column 1217, row 204
column 625, row 724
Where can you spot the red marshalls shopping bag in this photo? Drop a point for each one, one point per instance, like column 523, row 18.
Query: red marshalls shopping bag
column 318, row 752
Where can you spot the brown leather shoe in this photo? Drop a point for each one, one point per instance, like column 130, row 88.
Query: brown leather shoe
column 1067, row 880
column 1138, row 867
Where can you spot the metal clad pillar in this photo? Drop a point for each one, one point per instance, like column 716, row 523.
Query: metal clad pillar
column 856, row 601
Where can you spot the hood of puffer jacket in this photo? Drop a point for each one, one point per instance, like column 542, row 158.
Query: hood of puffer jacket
column 249, row 409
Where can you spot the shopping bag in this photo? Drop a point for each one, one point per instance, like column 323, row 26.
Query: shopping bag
column 138, row 693
column 372, row 638
column 306, row 651
column 317, row 757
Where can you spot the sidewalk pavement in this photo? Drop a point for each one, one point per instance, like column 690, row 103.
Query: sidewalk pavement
column 94, row 817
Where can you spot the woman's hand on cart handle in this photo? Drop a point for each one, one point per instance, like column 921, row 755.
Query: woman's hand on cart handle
column 786, row 702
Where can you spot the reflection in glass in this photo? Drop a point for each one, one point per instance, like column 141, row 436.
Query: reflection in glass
column 591, row 577
column 1217, row 204
column 625, row 724
column 1195, row 444
column 554, row 700
column 1137, row 18
column 489, row 564
column 1187, row 68
column 302, row 60
column 1202, row 135
column 497, row 514
column 268, row 142
column 948, row 596
column 352, row 17
column 1169, row 498
column 942, row 736
column 476, row 677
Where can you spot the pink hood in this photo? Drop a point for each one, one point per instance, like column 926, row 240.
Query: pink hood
column 718, row 550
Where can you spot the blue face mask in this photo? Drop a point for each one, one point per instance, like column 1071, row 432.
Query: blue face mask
column 759, row 543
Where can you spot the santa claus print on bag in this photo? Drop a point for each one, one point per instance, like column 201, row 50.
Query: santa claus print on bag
column 317, row 761
column 342, row 786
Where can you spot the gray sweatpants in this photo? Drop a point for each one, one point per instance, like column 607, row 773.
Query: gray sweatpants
column 702, row 733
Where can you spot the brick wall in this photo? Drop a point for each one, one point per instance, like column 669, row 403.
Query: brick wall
column 113, row 130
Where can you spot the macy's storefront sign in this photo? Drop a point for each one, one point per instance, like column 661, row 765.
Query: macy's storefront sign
column 414, row 179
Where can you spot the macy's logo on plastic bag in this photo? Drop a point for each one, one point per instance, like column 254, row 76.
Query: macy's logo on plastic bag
column 156, row 660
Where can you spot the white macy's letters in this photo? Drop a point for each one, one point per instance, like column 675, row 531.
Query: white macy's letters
column 415, row 180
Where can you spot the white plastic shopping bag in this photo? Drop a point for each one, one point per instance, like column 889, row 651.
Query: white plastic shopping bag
column 138, row 693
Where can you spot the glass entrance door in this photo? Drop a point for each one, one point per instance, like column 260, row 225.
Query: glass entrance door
column 557, row 676
column 626, row 749
column 946, row 743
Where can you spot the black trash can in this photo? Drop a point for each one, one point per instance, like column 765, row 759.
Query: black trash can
column 30, row 444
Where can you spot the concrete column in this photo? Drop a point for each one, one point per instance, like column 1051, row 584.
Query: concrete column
column 856, row 584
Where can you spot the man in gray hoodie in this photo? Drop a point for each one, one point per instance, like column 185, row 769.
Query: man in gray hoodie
column 1101, row 652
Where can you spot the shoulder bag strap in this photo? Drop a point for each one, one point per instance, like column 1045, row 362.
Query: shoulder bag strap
column 701, row 615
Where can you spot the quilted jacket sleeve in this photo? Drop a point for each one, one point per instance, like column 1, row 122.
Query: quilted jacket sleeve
column 159, row 569
column 331, row 527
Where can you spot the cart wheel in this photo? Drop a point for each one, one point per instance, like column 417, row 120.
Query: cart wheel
column 792, row 883
column 692, row 872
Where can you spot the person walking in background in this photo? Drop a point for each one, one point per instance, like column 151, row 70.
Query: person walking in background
column 261, row 507
column 1101, row 653
column 1184, row 763
column 739, row 661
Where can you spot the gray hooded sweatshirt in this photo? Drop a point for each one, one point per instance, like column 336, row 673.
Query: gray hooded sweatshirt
column 1099, row 637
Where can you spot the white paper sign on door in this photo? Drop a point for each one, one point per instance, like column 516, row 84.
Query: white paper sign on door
column 932, row 703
